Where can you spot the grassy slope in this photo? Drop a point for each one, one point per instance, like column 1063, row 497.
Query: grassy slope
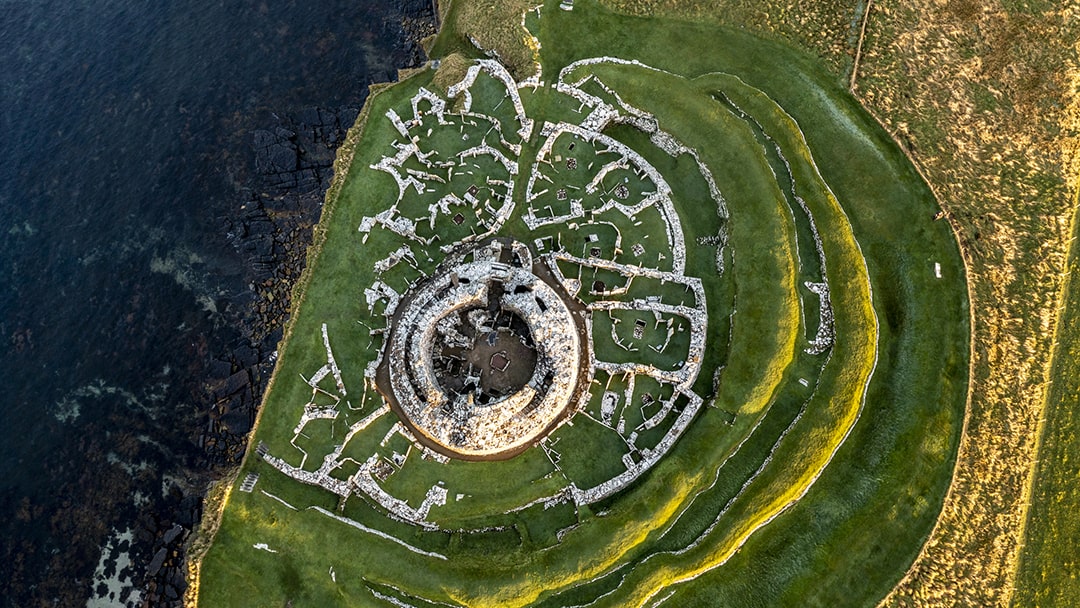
column 777, row 483
column 825, row 27
column 901, row 244
column 495, row 25
column 980, row 95
column 290, row 576
column 977, row 94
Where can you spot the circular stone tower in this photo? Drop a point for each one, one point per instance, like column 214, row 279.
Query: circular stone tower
column 487, row 355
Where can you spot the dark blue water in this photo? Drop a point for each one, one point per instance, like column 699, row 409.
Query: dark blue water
column 126, row 153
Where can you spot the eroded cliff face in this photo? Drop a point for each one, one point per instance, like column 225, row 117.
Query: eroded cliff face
column 280, row 179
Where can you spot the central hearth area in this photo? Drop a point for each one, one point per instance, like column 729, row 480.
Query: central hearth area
column 486, row 353
column 485, row 356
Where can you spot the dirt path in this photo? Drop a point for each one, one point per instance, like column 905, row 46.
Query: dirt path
column 858, row 46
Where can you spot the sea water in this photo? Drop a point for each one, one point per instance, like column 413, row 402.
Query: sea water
column 125, row 140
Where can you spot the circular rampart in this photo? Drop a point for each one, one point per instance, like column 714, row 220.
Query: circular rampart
column 458, row 339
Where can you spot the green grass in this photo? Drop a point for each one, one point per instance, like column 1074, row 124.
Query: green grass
column 1047, row 574
column 841, row 530
column 590, row 452
column 788, row 475
column 474, row 479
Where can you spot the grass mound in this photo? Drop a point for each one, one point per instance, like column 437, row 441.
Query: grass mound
column 821, row 429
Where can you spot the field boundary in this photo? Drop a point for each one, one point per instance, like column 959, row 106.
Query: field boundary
column 1060, row 316
column 965, row 259
column 858, row 55
column 1071, row 154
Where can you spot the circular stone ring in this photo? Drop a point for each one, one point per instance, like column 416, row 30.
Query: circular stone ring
column 485, row 357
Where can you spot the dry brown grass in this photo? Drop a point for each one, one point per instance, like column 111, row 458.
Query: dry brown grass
column 452, row 69
column 977, row 94
column 495, row 25
column 828, row 28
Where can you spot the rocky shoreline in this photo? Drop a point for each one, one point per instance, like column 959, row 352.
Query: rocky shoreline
column 294, row 167
column 289, row 169
column 293, row 163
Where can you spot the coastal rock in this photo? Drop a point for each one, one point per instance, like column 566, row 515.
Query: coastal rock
column 284, row 181
column 172, row 534
column 238, row 421
column 156, row 562
column 237, row 382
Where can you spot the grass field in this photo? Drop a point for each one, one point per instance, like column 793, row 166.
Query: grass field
column 982, row 101
column 807, row 478
column 1048, row 561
